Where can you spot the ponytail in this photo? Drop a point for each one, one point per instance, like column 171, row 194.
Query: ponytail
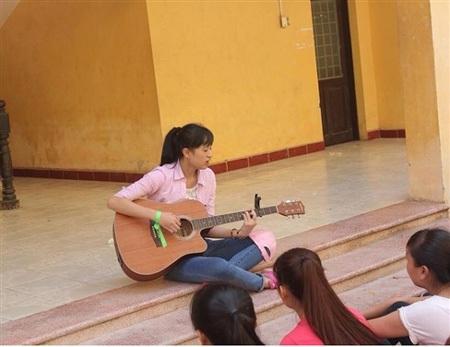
column 300, row 271
column 225, row 314
column 171, row 150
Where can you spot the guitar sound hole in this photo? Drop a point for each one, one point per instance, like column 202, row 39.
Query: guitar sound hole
column 186, row 230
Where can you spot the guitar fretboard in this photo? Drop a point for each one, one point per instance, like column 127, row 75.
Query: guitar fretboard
column 209, row 222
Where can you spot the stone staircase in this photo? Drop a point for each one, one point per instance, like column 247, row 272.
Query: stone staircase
column 363, row 257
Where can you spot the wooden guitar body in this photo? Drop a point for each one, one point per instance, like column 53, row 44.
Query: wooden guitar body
column 139, row 255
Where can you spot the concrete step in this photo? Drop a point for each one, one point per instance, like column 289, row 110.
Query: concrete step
column 145, row 313
column 340, row 237
column 377, row 275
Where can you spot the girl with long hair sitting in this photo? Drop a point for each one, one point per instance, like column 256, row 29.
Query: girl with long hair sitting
column 324, row 319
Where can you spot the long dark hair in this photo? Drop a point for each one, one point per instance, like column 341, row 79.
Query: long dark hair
column 190, row 136
column 300, row 271
column 225, row 313
column 431, row 247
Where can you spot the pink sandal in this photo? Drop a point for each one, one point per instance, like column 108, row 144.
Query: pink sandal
column 273, row 281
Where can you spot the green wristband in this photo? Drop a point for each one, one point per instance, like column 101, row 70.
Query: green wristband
column 158, row 215
column 158, row 228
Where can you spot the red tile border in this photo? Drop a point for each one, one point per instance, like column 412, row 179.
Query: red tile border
column 71, row 175
column 133, row 177
column 129, row 177
column 297, row 151
column 58, row 174
column 392, row 133
column 396, row 133
column 86, row 176
column 388, row 133
column 103, row 176
column 279, row 155
column 219, row 168
column 401, row 133
column 237, row 164
column 258, row 159
column 373, row 134
column 315, row 147
column 117, row 176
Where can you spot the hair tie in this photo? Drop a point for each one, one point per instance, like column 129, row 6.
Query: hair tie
column 234, row 313
column 302, row 260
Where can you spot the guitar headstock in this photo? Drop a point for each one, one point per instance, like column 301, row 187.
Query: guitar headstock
column 290, row 208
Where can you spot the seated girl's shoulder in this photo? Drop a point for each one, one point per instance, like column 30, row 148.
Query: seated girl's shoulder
column 434, row 301
column 354, row 311
column 358, row 315
column 160, row 172
column 208, row 174
column 435, row 306
column 209, row 171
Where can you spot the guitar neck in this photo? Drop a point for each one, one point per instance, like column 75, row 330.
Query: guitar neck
column 209, row 222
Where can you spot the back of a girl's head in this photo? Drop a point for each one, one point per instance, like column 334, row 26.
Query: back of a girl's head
column 431, row 247
column 225, row 314
column 191, row 136
column 301, row 271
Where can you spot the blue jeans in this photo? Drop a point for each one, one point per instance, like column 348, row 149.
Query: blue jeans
column 224, row 260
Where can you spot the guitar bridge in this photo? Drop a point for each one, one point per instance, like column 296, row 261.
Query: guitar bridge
column 154, row 234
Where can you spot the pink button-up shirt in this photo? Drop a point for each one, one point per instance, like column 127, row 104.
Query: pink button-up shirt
column 167, row 184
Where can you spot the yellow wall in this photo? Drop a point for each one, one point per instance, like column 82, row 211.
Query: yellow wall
column 386, row 60
column 440, row 14
column 229, row 65
column 363, row 65
column 80, row 86
column 425, row 72
column 78, row 82
column 375, row 48
column 95, row 85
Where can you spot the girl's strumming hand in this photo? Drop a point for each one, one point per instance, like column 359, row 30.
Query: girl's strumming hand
column 169, row 222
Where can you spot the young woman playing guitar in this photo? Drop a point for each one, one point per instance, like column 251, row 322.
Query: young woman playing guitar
column 184, row 174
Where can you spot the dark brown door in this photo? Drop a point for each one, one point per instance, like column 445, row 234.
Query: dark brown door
column 334, row 70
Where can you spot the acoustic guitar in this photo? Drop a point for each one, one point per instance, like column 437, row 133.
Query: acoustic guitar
column 140, row 252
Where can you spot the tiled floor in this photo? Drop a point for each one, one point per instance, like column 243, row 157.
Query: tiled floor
column 56, row 248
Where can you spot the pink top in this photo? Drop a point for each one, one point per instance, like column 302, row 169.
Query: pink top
column 302, row 334
column 167, row 184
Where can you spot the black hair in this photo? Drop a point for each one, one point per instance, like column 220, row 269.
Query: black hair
column 300, row 271
column 225, row 314
column 431, row 247
column 190, row 136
